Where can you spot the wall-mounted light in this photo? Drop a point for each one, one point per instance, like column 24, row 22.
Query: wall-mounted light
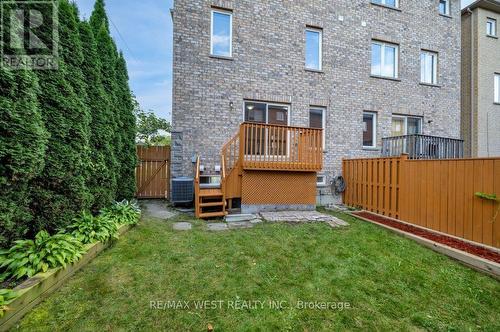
column 231, row 104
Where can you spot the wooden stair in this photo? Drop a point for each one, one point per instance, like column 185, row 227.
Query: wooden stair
column 210, row 203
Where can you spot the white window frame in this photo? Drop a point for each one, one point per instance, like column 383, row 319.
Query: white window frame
column 323, row 120
column 384, row 3
column 434, row 67
column 405, row 118
column 374, row 138
column 496, row 86
column 230, row 14
column 322, row 183
column 493, row 26
column 382, row 57
column 447, row 10
column 320, row 31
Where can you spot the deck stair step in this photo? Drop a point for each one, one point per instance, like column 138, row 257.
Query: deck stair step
column 213, row 214
column 211, row 193
column 212, row 204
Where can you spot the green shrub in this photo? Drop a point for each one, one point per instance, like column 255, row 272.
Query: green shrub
column 6, row 296
column 90, row 229
column 124, row 212
column 27, row 257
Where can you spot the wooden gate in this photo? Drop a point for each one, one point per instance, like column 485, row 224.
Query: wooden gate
column 153, row 172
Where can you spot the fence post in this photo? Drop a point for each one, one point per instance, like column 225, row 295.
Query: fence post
column 403, row 194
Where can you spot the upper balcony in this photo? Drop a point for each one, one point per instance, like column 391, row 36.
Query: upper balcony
column 423, row 147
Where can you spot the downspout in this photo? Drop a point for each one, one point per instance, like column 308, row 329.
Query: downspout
column 471, row 122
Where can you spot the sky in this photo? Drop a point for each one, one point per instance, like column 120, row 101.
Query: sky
column 142, row 29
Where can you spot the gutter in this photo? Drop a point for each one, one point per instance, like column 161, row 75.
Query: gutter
column 472, row 83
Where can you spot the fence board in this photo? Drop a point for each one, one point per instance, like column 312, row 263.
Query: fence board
column 437, row 194
column 153, row 172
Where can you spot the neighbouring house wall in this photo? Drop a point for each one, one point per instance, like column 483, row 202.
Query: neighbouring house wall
column 268, row 65
column 468, row 57
column 488, row 113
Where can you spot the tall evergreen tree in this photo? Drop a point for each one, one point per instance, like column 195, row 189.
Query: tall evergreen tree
column 61, row 191
column 128, row 156
column 102, row 182
column 23, row 140
column 108, row 56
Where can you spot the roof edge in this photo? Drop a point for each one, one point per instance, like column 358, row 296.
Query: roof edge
column 492, row 5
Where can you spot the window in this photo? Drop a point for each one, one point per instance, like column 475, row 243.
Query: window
column 317, row 119
column 406, row 125
column 491, row 27
column 369, row 130
column 321, row 180
column 385, row 59
column 388, row 3
column 266, row 113
column 221, row 43
column 262, row 141
column 444, row 7
column 428, row 67
column 314, row 40
column 497, row 88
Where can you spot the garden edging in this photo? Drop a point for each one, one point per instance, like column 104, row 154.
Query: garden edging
column 480, row 264
column 34, row 290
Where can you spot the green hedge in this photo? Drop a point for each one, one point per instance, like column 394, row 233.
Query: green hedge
column 67, row 134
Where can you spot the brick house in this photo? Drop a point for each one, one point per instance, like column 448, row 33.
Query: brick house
column 481, row 79
column 360, row 70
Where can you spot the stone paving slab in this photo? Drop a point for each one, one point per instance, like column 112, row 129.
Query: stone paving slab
column 217, row 227
column 182, row 226
column 303, row 217
column 240, row 225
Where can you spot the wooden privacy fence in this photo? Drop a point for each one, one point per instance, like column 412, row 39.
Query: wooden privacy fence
column 153, row 172
column 435, row 194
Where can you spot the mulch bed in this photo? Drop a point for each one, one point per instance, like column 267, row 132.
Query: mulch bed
column 443, row 239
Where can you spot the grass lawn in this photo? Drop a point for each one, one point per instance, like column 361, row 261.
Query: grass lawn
column 389, row 282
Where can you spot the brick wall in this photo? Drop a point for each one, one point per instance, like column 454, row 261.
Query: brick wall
column 268, row 64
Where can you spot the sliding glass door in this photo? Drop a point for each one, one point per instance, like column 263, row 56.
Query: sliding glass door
column 268, row 141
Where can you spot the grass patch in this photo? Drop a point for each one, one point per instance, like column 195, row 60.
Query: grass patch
column 391, row 283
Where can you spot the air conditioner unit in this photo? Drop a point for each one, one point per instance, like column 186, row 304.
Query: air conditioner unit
column 182, row 190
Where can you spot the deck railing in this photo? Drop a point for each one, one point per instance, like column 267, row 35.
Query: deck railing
column 423, row 147
column 275, row 147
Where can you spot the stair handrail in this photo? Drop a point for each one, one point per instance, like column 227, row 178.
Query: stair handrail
column 197, row 187
column 230, row 154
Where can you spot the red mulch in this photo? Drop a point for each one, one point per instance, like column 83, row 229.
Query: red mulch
column 443, row 239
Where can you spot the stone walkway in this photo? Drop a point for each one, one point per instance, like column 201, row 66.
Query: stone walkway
column 303, row 217
column 158, row 209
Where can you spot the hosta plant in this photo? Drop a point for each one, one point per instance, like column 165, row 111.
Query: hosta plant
column 90, row 229
column 124, row 212
column 6, row 296
column 28, row 257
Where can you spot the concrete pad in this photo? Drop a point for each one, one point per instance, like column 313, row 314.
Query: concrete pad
column 303, row 217
column 217, row 227
column 239, row 217
column 256, row 221
column 182, row 226
column 158, row 209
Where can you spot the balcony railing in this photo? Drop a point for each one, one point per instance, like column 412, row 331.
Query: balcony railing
column 423, row 147
column 274, row 147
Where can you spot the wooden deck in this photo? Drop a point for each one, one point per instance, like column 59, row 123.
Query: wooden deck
column 266, row 148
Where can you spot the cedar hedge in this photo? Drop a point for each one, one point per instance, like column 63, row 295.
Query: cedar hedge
column 67, row 135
